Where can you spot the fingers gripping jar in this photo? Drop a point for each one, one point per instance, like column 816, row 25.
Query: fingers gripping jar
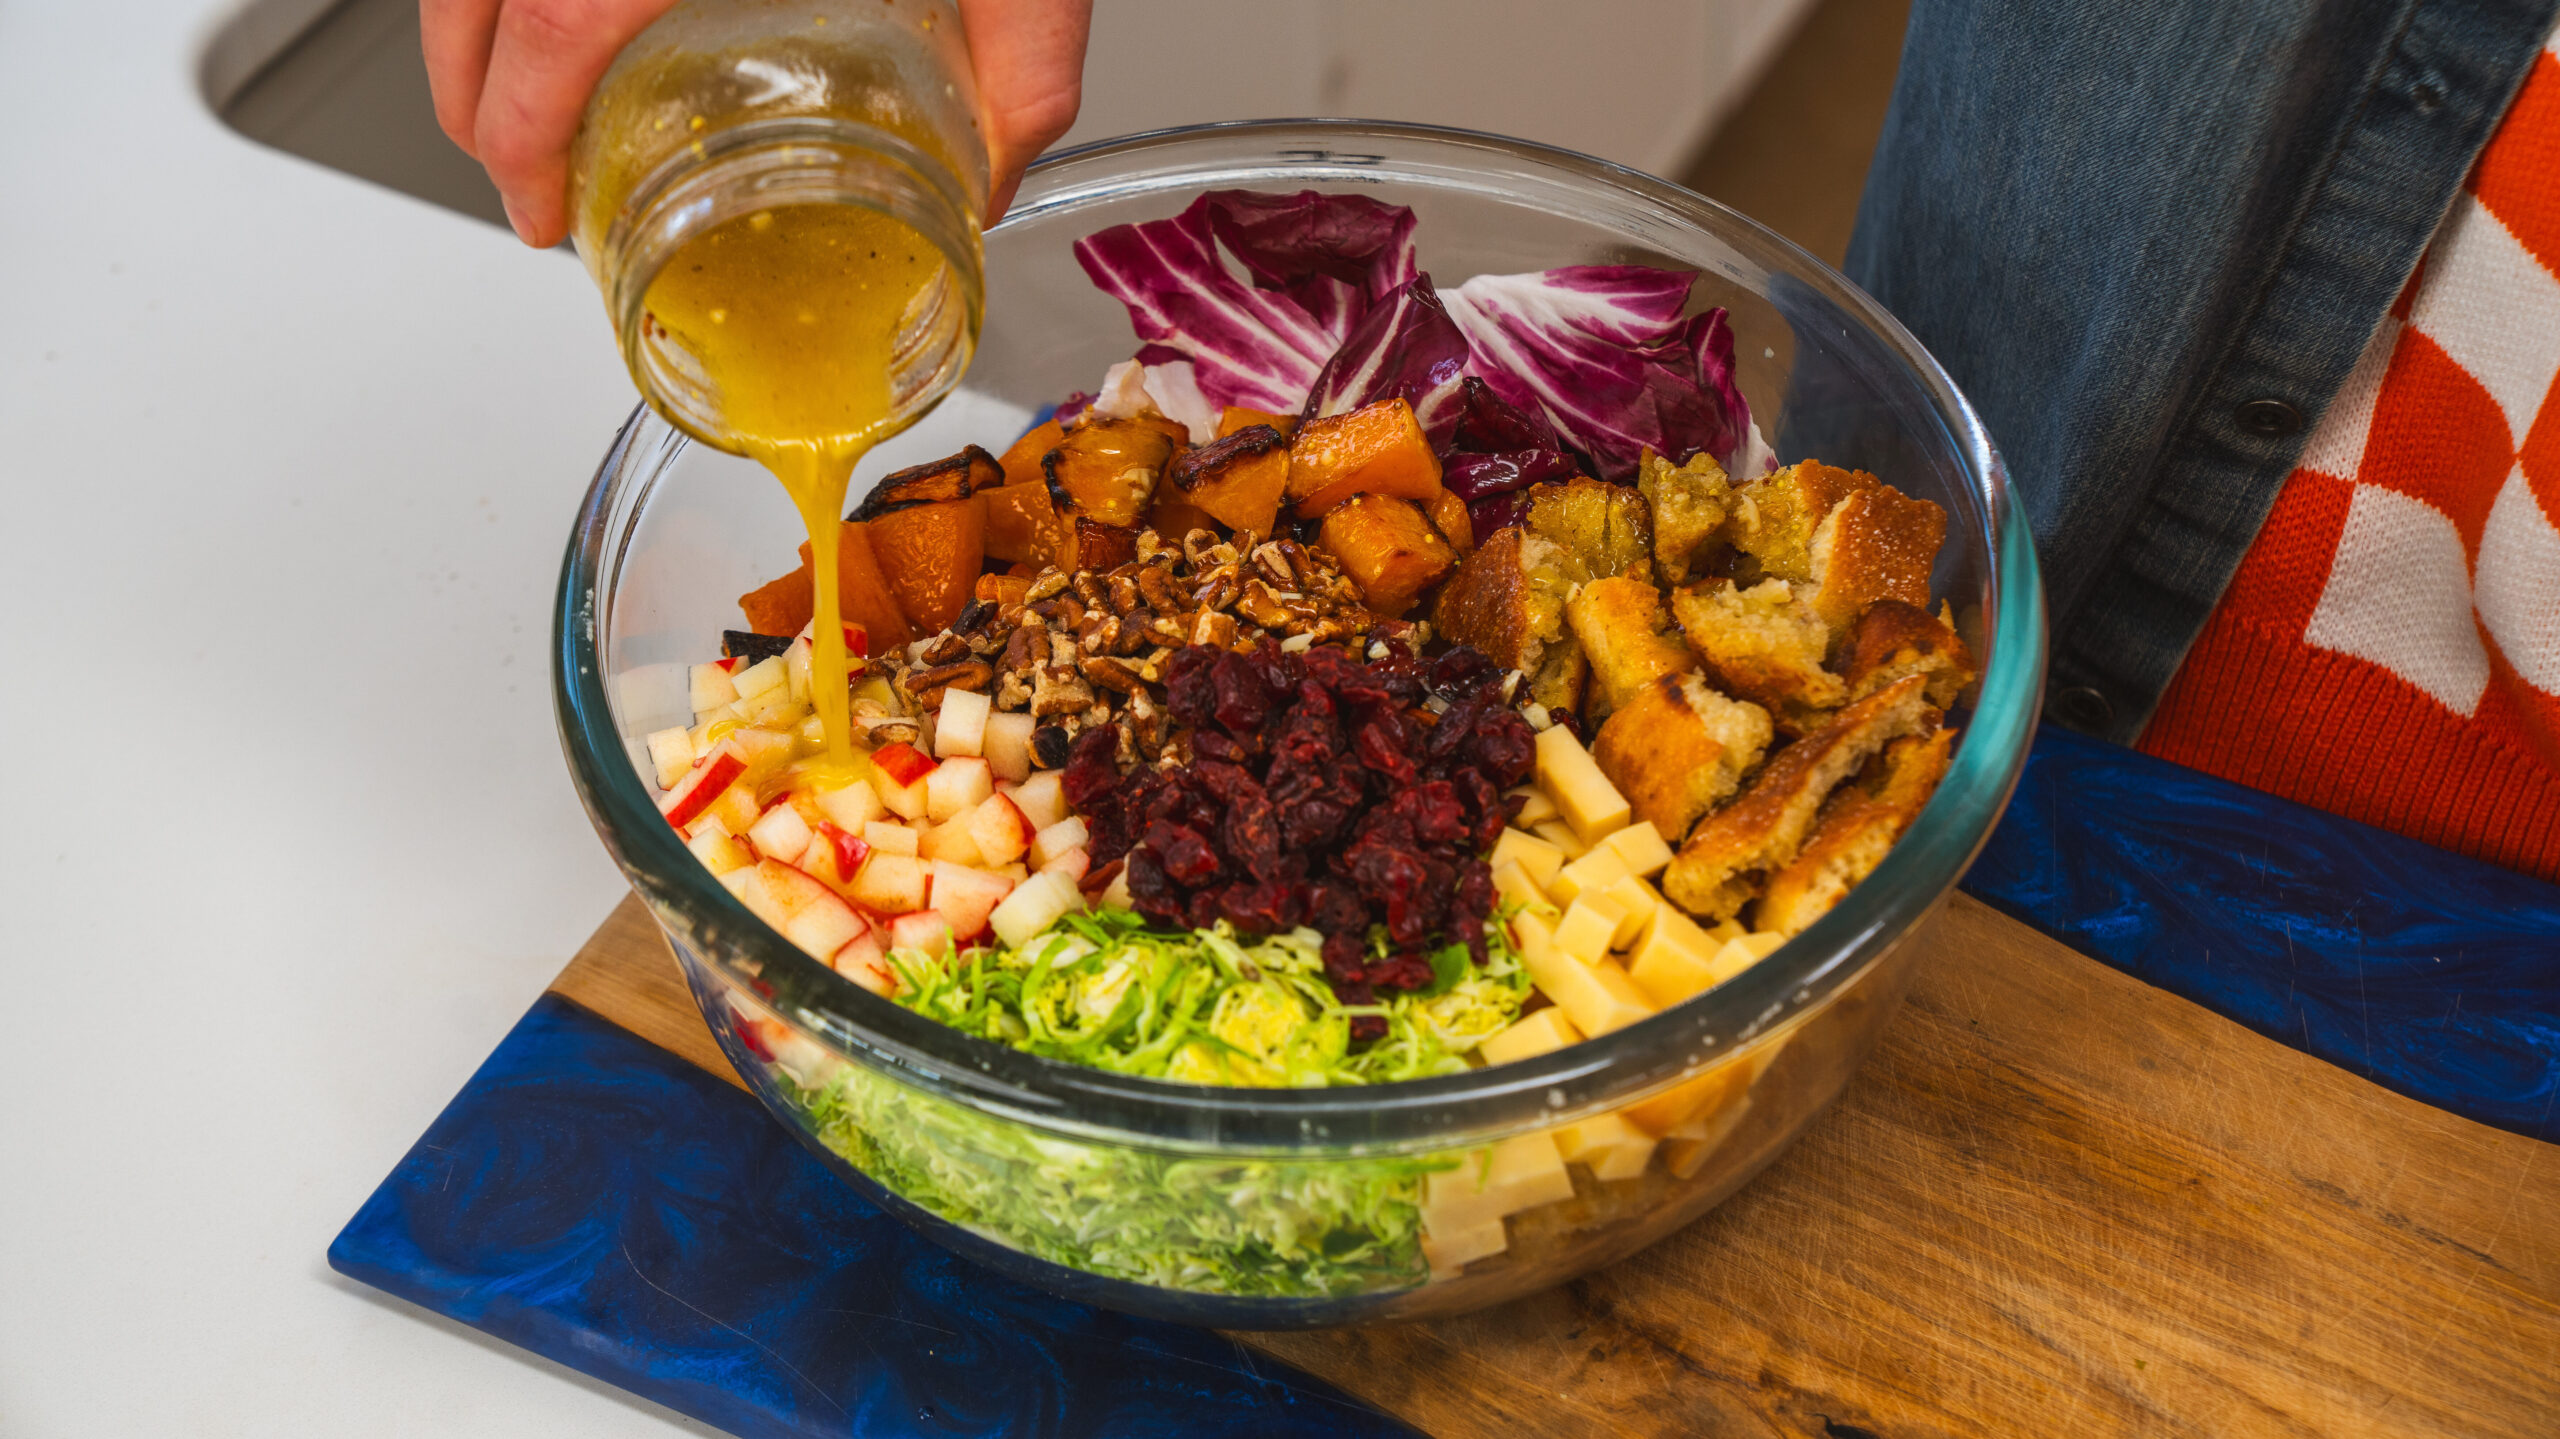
column 846, row 134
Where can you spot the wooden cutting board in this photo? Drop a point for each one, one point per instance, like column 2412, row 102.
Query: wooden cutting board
column 2057, row 1201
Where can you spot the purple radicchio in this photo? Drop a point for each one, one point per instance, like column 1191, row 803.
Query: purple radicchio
column 1604, row 353
column 1404, row 348
column 1318, row 262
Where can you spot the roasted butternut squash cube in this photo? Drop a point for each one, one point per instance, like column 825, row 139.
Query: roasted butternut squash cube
column 1021, row 524
column 1376, row 449
column 955, row 478
column 783, row 606
column 1236, row 478
column 1389, row 549
column 1237, row 417
column 1021, row 460
column 1450, row 514
column 1100, row 547
column 1107, row 471
column 863, row 596
column 931, row 554
column 1173, row 515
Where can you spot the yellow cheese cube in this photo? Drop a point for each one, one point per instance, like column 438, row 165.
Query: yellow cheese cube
column 1589, row 923
column 1529, row 1036
column 1640, row 902
column 1556, row 832
column 1607, row 1145
column 1740, row 954
column 1450, row 1252
column 1511, row 884
column 1536, row 857
column 1596, row 997
column 1570, row 776
column 1642, row 847
column 1727, row 929
column 1534, row 805
column 1702, row 1097
column 1516, row 1174
column 1675, row 960
column 1591, row 874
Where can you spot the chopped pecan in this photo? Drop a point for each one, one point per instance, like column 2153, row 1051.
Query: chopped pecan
column 1090, row 588
column 1257, row 603
column 1155, row 586
column 1273, row 561
column 1212, row 628
column 943, row 649
column 1058, row 690
column 926, row 686
column 1123, row 589
column 1113, row 673
column 1135, row 629
column 1048, row 582
column 1172, row 629
column 892, row 729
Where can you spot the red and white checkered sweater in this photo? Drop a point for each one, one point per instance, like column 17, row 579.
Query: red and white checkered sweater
column 2390, row 647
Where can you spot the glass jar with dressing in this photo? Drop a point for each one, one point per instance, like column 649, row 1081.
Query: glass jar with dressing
column 780, row 201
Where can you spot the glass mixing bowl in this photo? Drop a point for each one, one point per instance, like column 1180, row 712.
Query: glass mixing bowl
column 1262, row 1208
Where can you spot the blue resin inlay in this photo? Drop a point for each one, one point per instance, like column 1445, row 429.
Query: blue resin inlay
column 2422, row 970
column 597, row 1200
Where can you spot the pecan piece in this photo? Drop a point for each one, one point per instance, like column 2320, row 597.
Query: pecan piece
column 1057, row 690
column 1048, row 582
column 943, row 649
column 1113, row 673
column 1212, row 628
column 1155, row 585
column 925, row 686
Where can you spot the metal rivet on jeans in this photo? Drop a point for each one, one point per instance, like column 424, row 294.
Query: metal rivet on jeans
column 2080, row 708
column 2271, row 418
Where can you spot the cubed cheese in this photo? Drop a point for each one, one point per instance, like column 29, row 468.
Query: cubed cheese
column 1569, row 775
column 1675, row 959
column 1536, row 857
column 1556, row 832
column 1516, row 887
column 1727, row 929
column 1534, row 806
column 1640, row 902
column 1519, row 1173
column 1607, row 1145
column 1589, row 923
column 1740, row 954
column 1716, row 1089
column 1451, row 1251
column 1641, row 846
column 1530, row 1036
column 1596, row 997
column 1591, row 874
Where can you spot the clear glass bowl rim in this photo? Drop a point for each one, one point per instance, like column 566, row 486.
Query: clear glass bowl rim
column 1417, row 1115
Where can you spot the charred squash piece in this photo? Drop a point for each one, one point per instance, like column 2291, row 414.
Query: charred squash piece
column 1376, row 449
column 931, row 555
column 1001, row 589
column 1236, row 417
column 1450, row 514
column 1107, row 471
column 1174, row 515
column 863, row 596
column 1238, row 478
column 1021, row 524
column 956, row 478
column 1389, row 549
column 784, row 606
column 1100, row 547
column 1021, row 460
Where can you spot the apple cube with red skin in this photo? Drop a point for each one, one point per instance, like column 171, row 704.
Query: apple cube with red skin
column 1035, row 904
column 957, row 786
column 1008, row 745
column 906, row 801
column 1001, row 832
column 711, row 687
column 834, row 856
column 737, row 810
column 719, row 851
column 924, row 931
column 1073, row 864
column 1042, row 799
column 904, row 764
column 865, row 960
column 967, row 896
column 949, row 841
column 704, row 783
column 892, row 884
column 850, row 807
column 779, row 833
column 887, row 836
column 1057, row 839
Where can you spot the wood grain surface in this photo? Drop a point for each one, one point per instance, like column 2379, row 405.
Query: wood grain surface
column 2057, row 1201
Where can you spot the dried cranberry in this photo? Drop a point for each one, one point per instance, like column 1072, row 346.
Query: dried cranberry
column 1461, row 672
column 1366, row 1028
column 1185, row 853
column 1093, row 767
column 1405, row 970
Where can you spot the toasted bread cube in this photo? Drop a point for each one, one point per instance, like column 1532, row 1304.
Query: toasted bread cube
column 1531, row 1035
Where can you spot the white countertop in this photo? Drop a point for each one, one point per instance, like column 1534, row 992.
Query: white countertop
column 289, row 462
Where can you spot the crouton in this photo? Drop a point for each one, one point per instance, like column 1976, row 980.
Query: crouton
column 1876, row 544
column 1676, row 749
column 1766, row 645
column 1774, row 517
column 1690, row 504
column 1618, row 622
column 1855, row 830
column 1893, row 639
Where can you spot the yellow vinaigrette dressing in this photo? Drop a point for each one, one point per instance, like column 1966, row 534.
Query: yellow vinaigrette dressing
column 793, row 314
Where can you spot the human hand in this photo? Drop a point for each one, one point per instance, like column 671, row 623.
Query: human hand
column 511, row 78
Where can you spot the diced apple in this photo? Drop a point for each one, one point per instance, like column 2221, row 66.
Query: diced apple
column 824, row 926
column 703, row 784
column 904, row 764
column 737, row 810
column 775, row 709
column 960, row 726
column 957, row 786
column 769, row 673
column 1042, row 799
column 1607, row 1145
column 671, row 753
column 1642, row 848
column 1001, row 833
column 1014, row 873
column 1035, row 904
column 1008, row 746
column 779, row 833
column 1529, row 1036
column 892, row 884
column 967, row 896
column 950, row 841
column 865, row 960
column 719, row 851
column 923, row 931
column 1115, row 895
column 906, row 801
column 773, row 892
column 833, row 856
column 889, row 837
column 1057, row 839
column 795, row 668
column 1537, row 858
column 1073, row 865
column 711, row 688
column 850, row 806
column 1570, row 776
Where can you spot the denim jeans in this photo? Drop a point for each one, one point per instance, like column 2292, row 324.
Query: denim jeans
column 2149, row 241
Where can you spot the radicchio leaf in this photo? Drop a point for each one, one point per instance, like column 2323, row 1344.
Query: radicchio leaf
column 1404, row 347
column 1603, row 352
column 1318, row 262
